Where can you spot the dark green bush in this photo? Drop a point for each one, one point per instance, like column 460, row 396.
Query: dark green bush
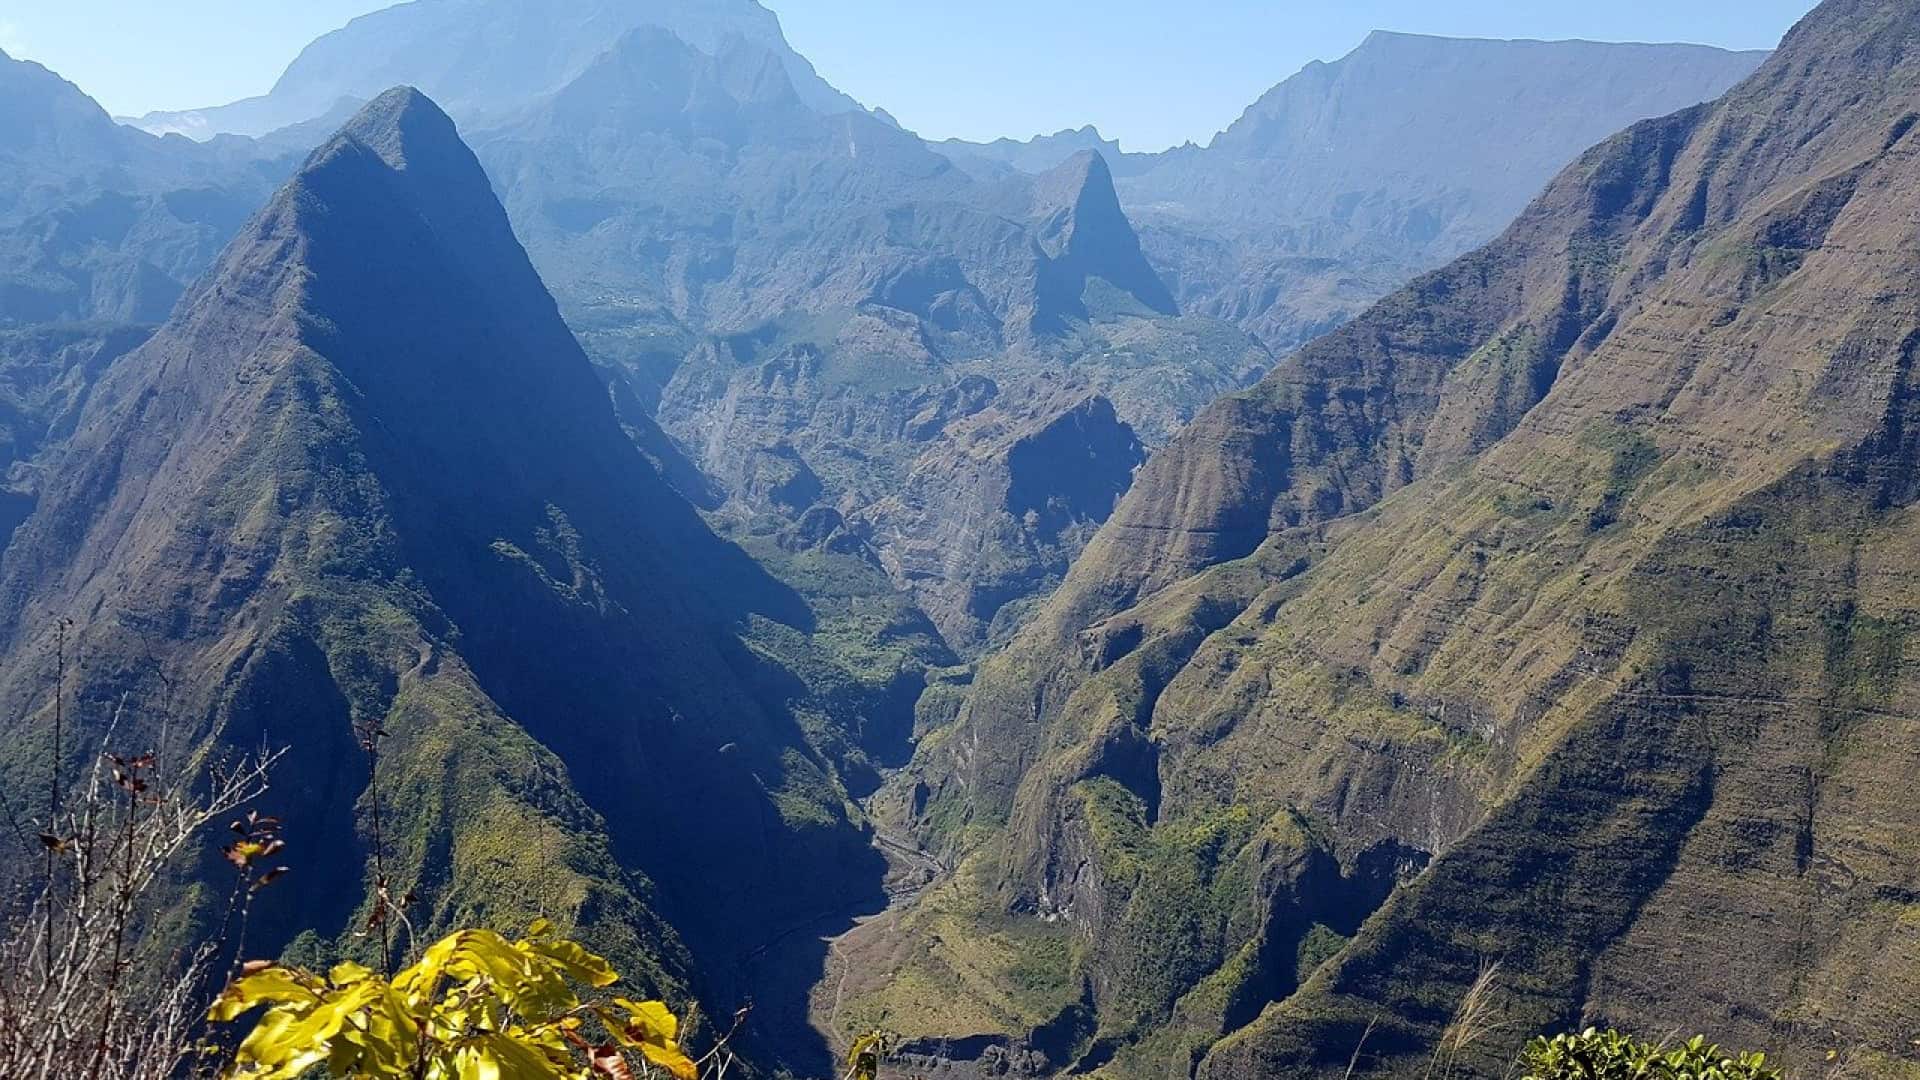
column 1610, row 1055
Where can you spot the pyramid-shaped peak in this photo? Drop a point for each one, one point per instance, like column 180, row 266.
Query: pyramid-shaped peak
column 403, row 145
column 1080, row 184
column 1082, row 230
column 1086, row 165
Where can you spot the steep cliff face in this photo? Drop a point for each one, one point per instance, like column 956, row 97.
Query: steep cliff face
column 1089, row 242
column 1537, row 589
column 1351, row 177
column 366, row 478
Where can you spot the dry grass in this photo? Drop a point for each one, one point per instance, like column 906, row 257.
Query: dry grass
column 1473, row 1021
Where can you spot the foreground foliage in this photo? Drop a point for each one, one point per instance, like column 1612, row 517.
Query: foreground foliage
column 476, row 1005
column 1610, row 1055
column 868, row 1051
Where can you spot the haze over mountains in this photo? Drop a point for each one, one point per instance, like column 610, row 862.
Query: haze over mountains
column 789, row 283
column 99, row 221
column 485, row 58
column 1201, row 633
column 1350, row 177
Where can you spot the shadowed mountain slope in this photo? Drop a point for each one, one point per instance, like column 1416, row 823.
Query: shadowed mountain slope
column 366, row 478
column 1552, row 606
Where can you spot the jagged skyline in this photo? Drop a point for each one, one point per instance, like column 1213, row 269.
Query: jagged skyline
column 1058, row 73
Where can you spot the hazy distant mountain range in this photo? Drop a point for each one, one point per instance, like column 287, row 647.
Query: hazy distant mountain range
column 486, row 58
column 752, row 254
column 1352, row 176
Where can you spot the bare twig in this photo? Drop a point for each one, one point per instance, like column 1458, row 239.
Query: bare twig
column 1354, row 1062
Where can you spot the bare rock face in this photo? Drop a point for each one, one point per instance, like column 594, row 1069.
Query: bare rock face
column 1087, row 238
column 1549, row 574
column 995, row 511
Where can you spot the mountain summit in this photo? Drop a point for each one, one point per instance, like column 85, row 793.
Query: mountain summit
column 486, row 59
column 1087, row 238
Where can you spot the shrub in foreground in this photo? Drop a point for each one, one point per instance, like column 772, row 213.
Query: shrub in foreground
column 476, row 1005
column 1610, row 1055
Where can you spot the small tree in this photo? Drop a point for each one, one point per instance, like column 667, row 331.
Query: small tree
column 1610, row 1055
column 476, row 1005
column 78, row 997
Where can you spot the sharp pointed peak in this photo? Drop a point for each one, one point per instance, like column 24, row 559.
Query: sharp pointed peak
column 646, row 36
column 401, row 125
column 1070, row 183
column 1088, row 159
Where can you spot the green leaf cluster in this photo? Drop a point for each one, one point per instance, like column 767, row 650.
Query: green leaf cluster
column 476, row 1007
column 1611, row 1055
column 863, row 1059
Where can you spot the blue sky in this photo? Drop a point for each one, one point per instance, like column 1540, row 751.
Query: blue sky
column 1150, row 72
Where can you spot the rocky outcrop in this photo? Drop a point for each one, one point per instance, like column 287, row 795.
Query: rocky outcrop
column 1093, row 257
column 994, row 512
